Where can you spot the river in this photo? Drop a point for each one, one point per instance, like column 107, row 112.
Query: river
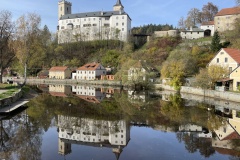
column 93, row 123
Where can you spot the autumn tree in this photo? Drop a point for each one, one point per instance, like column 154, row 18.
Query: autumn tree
column 7, row 54
column 208, row 12
column 28, row 41
column 181, row 23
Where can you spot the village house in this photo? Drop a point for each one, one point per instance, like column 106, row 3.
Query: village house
column 230, row 59
column 142, row 71
column 59, row 90
column 235, row 76
column 208, row 28
column 225, row 19
column 90, row 71
column 192, row 33
column 60, row 72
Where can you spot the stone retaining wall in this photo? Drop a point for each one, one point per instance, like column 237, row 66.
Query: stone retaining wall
column 230, row 96
column 9, row 100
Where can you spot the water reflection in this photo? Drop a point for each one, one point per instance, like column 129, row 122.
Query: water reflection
column 90, row 116
column 91, row 132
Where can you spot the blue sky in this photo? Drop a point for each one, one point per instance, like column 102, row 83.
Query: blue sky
column 141, row 11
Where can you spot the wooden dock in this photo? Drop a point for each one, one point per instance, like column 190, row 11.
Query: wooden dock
column 12, row 107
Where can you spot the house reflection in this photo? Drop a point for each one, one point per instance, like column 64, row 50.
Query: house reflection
column 89, row 93
column 90, row 132
column 59, row 90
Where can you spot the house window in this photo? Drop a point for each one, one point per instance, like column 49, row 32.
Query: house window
column 122, row 24
column 230, row 69
column 122, row 29
column 116, row 24
column 226, row 60
column 217, row 60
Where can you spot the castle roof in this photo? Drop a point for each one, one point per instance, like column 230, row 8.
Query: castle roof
column 93, row 14
column 229, row 11
column 119, row 3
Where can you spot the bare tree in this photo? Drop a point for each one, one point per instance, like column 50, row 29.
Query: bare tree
column 193, row 18
column 208, row 12
column 6, row 32
column 181, row 23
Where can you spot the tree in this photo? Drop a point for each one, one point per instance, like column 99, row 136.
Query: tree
column 208, row 12
column 202, row 79
column 181, row 23
column 215, row 44
column 193, row 18
column 7, row 54
column 28, row 42
column 216, row 72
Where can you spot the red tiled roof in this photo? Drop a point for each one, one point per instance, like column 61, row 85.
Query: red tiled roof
column 228, row 11
column 58, row 68
column 225, row 151
column 58, row 94
column 89, row 67
column 208, row 23
column 91, row 99
column 233, row 135
column 234, row 53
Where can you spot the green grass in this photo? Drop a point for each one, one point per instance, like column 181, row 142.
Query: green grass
column 8, row 93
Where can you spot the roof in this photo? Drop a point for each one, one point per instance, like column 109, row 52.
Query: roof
column 234, row 53
column 143, row 64
column 119, row 3
column 228, row 11
column 89, row 67
column 93, row 14
column 226, row 151
column 58, row 68
column 208, row 23
column 91, row 99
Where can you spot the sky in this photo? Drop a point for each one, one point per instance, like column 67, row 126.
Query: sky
column 142, row 12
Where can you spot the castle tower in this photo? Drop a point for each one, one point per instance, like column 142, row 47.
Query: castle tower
column 64, row 7
column 64, row 148
column 118, row 6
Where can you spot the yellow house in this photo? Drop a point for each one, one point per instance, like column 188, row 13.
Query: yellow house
column 60, row 73
column 225, row 19
column 235, row 75
column 228, row 58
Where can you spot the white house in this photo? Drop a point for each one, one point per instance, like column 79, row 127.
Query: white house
column 208, row 28
column 99, row 25
column 90, row 71
column 89, row 93
column 193, row 33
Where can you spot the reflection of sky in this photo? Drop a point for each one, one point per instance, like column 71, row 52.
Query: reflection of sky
column 145, row 144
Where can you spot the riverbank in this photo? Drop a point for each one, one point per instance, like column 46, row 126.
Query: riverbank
column 229, row 96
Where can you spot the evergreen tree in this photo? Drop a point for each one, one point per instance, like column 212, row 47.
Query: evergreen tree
column 215, row 45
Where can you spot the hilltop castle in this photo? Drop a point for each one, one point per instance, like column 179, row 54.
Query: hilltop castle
column 100, row 25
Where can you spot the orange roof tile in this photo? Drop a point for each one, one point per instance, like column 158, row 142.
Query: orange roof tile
column 226, row 151
column 91, row 99
column 208, row 23
column 58, row 68
column 89, row 67
column 58, row 94
column 228, row 11
column 234, row 53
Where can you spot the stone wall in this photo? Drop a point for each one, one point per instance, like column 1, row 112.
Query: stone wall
column 230, row 96
column 9, row 100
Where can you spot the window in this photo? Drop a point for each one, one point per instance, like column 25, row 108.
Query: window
column 230, row 69
column 106, row 25
column 226, row 60
column 122, row 24
column 217, row 60
column 117, row 17
column 107, row 18
column 122, row 29
column 116, row 24
column 122, row 17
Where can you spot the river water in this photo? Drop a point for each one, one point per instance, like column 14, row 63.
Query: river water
column 93, row 123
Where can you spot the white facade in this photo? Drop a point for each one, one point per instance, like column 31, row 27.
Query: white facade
column 117, row 133
column 100, row 25
column 193, row 33
column 90, row 71
column 208, row 27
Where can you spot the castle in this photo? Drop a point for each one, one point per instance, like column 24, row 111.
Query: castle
column 100, row 25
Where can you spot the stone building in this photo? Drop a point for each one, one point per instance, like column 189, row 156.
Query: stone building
column 99, row 25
